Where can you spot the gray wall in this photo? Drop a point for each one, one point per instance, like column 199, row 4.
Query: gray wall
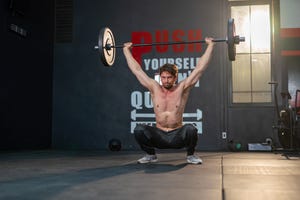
column 93, row 103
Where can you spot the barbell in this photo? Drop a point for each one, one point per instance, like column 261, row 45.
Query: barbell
column 107, row 46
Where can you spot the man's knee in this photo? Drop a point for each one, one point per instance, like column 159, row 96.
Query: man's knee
column 140, row 131
column 139, row 127
column 191, row 129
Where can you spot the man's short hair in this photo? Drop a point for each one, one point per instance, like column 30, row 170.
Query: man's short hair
column 171, row 68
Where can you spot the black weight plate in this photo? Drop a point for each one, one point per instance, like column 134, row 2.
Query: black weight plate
column 230, row 39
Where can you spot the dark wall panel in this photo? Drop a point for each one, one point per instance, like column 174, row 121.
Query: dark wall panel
column 252, row 125
column 26, row 74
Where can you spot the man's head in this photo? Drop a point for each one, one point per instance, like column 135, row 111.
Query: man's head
column 168, row 75
column 171, row 68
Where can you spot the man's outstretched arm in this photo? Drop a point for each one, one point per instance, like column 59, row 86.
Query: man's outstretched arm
column 201, row 66
column 136, row 68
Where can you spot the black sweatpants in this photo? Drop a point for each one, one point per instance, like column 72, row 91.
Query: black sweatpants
column 150, row 137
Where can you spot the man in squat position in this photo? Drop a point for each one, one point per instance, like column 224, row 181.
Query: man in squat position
column 169, row 100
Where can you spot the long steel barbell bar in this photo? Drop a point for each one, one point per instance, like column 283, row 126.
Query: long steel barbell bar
column 107, row 46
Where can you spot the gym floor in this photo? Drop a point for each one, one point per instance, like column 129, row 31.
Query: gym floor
column 103, row 175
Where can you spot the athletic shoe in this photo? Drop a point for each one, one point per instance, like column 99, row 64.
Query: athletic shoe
column 148, row 159
column 194, row 159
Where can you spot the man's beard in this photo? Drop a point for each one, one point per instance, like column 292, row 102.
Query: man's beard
column 168, row 86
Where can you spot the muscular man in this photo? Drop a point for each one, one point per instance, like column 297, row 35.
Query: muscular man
column 169, row 100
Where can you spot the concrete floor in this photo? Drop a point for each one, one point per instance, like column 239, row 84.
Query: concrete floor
column 72, row 175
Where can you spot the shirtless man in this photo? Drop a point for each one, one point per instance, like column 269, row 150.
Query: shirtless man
column 169, row 100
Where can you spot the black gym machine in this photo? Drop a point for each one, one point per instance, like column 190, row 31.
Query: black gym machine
column 287, row 125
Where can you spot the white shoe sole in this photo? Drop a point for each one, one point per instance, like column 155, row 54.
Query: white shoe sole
column 195, row 163
column 148, row 161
